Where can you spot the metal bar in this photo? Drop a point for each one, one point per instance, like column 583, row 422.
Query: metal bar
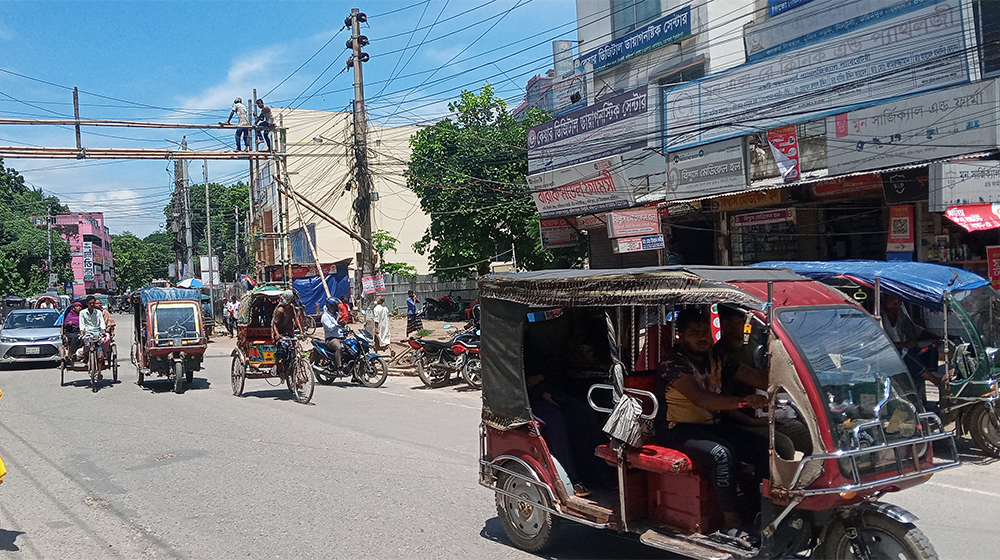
column 76, row 117
column 110, row 123
column 130, row 153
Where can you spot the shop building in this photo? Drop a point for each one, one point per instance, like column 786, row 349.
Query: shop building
column 90, row 245
column 819, row 129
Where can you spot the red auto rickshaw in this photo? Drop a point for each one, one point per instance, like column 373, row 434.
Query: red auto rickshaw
column 830, row 367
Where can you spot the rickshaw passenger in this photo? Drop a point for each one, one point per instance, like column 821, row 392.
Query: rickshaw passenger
column 71, row 328
column 109, row 331
column 694, row 374
column 921, row 359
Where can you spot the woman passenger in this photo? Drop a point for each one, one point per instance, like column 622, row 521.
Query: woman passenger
column 71, row 328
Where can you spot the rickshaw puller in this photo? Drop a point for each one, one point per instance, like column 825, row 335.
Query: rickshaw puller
column 284, row 320
column 332, row 332
column 694, row 375
column 92, row 324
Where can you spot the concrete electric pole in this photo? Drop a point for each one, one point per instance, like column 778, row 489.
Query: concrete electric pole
column 362, row 204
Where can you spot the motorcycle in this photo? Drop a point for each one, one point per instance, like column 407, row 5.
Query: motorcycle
column 436, row 360
column 472, row 364
column 358, row 361
column 446, row 305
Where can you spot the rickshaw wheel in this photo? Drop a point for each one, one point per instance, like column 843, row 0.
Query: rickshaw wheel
column 92, row 368
column 178, row 377
column 373, row 372
column 239, row 376
column 300, row 380
column 886, row 539
column 114, row 363
column 189, row 376
column 529, row 528
column 983, row 430
column 62, row 372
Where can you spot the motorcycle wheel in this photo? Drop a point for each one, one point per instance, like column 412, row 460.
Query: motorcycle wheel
column 319, row 364
column 114, row 363
column 373, row 372
column 885, row 537
column 432, row 377
column 984, row 429
column 472, row 372
column 529, row 528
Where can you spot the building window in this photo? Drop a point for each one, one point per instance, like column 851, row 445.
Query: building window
column 629, row 15
column 987, row 13
column 687, row 74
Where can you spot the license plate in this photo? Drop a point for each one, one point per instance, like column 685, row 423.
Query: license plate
column 29, row 350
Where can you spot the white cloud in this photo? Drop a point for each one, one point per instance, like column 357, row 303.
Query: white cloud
column 252, row 71
column 5, row 33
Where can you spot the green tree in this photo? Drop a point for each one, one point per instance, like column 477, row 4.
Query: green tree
column 224, row 198
column 383, row 242
column 137, row 261
column 470, row 175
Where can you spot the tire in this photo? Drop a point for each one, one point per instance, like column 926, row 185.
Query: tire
column 114, row 363
column 531, row 529
column 238, row 373
column 886, row 538
column 189, row 376
column 432, row 377
column 983, row 431
column 92, row 363
column 373, row 372
column 472, row 371
column 178, row 376
column 62, row 372
column 319, row 364
column 308, row 325
column 142, row 378
column 300, row 380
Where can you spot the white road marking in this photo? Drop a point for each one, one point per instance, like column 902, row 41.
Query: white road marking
column 970, row 490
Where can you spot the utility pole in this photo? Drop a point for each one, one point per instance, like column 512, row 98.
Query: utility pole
column 208, row 239
column 362, row 204
column 236, row 238
column 48, row 264
column 188, row 236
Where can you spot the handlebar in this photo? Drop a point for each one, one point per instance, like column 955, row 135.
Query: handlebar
column 627, row 390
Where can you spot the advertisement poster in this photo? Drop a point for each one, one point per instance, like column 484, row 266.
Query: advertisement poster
column 630, row 223
column 88, row 260
column 975, row 217
column 582, row 189
column 372, row 284
column 993, row 262
column 558, row 232
column 636, row 244
column 785, row 149
column 900, row 228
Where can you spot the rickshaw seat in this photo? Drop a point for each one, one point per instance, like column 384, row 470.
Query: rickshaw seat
column 652, row 458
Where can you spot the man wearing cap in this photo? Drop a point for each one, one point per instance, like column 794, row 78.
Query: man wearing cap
column 242, row 121
column 285, row 319
column 332, row 332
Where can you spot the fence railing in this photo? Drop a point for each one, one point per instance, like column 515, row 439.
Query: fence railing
column 425, row 286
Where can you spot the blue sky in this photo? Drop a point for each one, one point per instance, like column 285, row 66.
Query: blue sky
column 182, row 61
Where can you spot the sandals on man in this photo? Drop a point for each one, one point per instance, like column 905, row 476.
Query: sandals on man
column 580, row 491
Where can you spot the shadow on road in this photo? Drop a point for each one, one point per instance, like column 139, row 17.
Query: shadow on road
column 7, row 539
column 85, row 383
column 573, row 541
column 969, row 452
column 282, row 394
column 166, row 385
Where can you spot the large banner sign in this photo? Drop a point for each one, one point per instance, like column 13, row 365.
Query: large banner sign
column 707, row 170
column 88, row 260
column 609, row 127
column 936, row 125
column 669, row 29
column 916, row 46
column 775, row 7
column 583, row 189
column 954, row 183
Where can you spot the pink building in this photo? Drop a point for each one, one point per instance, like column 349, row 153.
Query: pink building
column 90, row 245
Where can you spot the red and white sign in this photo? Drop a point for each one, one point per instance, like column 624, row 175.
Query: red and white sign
column 975, row 217
column 372, row 284
column 993, row 262
column 558, row 232
column 766, row 217
column 302, row 271
column 595, row 186
column 628, row 223
column 785, row 148
column 900, row 228
column 636, row 244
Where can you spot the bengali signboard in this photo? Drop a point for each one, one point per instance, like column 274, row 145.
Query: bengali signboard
column 372, row 284
column 88, row 260
column 993, row 263
column 591, row 187
column 751, row 199
column 707, row 170
column 630, row 223
column 636, row 244
column 765, row 217
column 775, row 7
column 613, row 126
column 785, row 148
column 665, row 30
column 954, row 183
column 924, row 127
column 900, row 228
column 911, row 47
column 975, row 217
column 558, row 232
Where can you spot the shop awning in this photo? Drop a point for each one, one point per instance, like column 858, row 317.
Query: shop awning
column 975, row 217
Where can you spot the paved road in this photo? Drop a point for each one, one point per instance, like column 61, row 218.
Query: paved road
column 131, row 473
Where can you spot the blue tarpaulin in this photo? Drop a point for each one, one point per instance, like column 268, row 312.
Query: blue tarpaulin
column 924, row 284
column 161, row 294
column 310, row 290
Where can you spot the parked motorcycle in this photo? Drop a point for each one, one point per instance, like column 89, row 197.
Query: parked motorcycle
column 446, row 305
column 436, row 360
column 472, row 365
column 359, row 361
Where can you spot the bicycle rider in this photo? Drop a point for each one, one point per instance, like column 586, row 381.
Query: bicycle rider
column 91, row 324
column 285, row 319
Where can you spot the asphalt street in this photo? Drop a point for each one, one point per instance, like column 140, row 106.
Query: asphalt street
column 134, row 472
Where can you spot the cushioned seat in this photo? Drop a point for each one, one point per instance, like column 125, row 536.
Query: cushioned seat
column 652, row 458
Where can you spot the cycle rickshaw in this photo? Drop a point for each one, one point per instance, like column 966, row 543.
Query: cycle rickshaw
column 168, row 334
column 95, row 361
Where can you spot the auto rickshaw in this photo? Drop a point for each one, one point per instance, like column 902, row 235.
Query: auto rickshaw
column 958, row 308
column 259, row 356
column 169, row 337
column 10, row 303
column 829, row 364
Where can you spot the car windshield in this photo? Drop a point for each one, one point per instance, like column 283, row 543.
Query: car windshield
column 176, row 320
column 39, row 320
column 860, row 374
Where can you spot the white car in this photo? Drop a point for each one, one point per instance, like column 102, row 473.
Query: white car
column 30, row 335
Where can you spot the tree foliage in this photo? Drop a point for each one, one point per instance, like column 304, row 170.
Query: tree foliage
column 383, row 242
column 137, row 261
column 470, row 175
column 24, row 247
column 223, row 198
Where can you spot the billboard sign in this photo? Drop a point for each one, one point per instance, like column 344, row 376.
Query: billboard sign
column 582, row 189
column 910, row 47
column 708, row 170
column 663, row 31
column 763, row 218
column 636, row 244
column 935, row 125
column 975, row 217
column 993, row 262
column 785, row 149
column 88, row 260
column 558, row 232
column 612, row 126
column 629, row 223
column 372, row 284
column 775, row 7
column 954, row 183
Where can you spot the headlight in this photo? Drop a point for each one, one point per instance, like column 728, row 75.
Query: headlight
column 56, row 338
column 8, row 339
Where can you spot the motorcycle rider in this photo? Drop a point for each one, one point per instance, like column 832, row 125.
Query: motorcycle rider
column 332, row 332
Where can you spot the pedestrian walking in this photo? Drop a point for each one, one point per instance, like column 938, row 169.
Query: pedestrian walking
column 413, row 322
column 232, row 310
column 242, row 121
column 383, row 338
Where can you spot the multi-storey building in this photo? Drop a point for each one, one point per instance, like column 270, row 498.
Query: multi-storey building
column 90, row 244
